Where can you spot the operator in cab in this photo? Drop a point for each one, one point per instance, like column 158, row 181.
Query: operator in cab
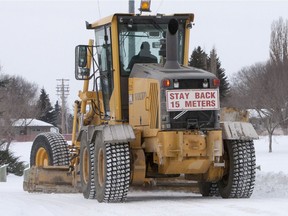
column 144, row 56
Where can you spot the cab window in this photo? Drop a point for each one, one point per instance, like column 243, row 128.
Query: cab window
column 132, row 36
column 104, row 58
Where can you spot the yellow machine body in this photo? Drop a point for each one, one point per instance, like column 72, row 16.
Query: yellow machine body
column 144, row 110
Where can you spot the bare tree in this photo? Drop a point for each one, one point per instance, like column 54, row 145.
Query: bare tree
column 278, row 65
column 18, row 101
column 262, row 87
column 279, row 41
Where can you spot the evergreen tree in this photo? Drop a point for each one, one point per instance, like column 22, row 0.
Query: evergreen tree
column 198, row 58
column 15, row 166
column 45, row 108
column 214, row 66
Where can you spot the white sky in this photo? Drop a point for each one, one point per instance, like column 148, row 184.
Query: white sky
column 37, row 38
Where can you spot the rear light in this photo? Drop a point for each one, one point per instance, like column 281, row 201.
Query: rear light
column 166, row 83
column 216, row 82
column 175, row 84
column 205, row 83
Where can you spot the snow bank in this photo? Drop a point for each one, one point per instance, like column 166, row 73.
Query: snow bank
column 272, row 185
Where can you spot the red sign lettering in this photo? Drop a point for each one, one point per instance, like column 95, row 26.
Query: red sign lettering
column 192, row 99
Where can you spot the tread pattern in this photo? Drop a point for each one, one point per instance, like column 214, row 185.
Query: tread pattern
column 117, row 173
column 243, row 174
column 92, row 192
column 59, row 148
column 88, row 185
column 214, row 191
column 208, row 189
column 56, row 146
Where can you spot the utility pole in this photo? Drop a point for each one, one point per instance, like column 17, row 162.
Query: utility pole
column 131, row 6
column 62, row 90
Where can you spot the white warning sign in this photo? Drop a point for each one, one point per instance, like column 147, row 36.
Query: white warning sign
column 192, row 99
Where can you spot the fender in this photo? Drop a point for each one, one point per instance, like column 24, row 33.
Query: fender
column 238, row 131
column 111, row 133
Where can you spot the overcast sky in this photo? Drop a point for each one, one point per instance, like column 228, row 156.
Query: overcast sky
column 37, row 38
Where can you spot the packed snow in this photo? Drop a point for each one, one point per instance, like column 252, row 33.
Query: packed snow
column 270, row 195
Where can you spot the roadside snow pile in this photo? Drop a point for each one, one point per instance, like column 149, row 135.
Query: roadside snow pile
column 272, row 185
column 272, row 180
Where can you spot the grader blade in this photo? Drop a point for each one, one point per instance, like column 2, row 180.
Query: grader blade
column 50, row 179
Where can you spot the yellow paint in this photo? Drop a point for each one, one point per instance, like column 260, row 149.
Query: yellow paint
column 86, row 82
column 188, row 152
column 41, row 159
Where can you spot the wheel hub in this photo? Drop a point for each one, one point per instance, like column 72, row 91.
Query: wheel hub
column 42, row 157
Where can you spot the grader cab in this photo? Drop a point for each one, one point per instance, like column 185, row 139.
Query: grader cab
column 144, row 115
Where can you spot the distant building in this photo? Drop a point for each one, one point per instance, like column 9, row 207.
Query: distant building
column 28, row 129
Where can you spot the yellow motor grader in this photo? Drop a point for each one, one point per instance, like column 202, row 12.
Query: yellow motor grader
column 143, row 116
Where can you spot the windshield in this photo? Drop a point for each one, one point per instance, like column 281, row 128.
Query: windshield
column 143, row 43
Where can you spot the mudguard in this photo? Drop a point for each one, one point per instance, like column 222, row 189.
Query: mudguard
column 238, row 131
column 118, row 133
column 111, row 133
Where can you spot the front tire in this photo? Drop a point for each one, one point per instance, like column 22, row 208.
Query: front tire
column 87, row 167
column 240, row 177
column 112, row 170
column 49, row 149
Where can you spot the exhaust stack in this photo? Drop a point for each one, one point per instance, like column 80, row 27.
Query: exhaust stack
column 172, row 45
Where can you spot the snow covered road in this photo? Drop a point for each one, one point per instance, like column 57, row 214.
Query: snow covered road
column 270, row 196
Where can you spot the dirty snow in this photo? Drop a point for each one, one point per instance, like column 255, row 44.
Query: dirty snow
column 270, row 196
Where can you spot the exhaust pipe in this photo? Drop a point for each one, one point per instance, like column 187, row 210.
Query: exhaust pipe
column 172, row 45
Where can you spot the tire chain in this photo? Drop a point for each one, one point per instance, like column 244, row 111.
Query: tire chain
column 244, row 169
column 213, row 190
column 59, row 148
column 118, row 172
column 92, row 193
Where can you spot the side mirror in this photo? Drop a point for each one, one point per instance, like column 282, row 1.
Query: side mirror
column 82, row 67
column 82, row 56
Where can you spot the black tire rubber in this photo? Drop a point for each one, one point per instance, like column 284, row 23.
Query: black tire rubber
column 55, row 146
column 113, row 184
column 208, row 189
column 240, row 178
column 87, row 185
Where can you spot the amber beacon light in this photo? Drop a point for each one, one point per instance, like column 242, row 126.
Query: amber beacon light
column 145, row 5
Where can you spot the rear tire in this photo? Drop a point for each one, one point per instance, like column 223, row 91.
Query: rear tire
column 87, row 168
column 240, row 178
column 49, row 149
column 112, row 169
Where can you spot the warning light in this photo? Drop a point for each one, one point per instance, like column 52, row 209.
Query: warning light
column 166, row 82
column 145, row 5
column 216, row 82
